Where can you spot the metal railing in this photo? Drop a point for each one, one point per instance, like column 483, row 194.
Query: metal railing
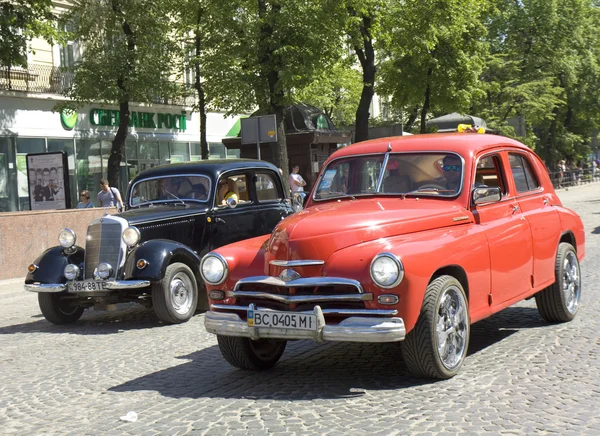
column 574, row 177
column 48, row 79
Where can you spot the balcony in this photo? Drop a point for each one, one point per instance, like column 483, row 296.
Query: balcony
column 48, row 79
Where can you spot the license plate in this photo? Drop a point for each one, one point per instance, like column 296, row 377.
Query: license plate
column 87, row 286
column 282, row 320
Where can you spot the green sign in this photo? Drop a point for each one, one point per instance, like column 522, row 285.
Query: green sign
column 148, row 120
column 68, row 117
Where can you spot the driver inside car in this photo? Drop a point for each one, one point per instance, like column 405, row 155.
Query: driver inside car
column 452, row 171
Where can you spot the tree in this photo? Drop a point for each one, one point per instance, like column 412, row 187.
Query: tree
column 20, row 22
column 127, row 57
column 435, row 56
column 209, row 33
column 336, row 92
column 281, row 47
column 544, row 67
column 363, row 25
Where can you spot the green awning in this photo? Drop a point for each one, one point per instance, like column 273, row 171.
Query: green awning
column 236, row 128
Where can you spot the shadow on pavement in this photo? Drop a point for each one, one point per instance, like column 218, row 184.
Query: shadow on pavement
column 129, row 317
column 310, row 371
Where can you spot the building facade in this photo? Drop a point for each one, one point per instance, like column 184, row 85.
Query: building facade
column 161, row 133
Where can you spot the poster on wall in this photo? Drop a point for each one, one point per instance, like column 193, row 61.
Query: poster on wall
column 47, row 176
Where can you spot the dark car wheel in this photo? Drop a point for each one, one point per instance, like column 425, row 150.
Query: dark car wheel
column 559, row 302
column 175, row 297
column 436, row 347
column 59, row 310
column 245, row 353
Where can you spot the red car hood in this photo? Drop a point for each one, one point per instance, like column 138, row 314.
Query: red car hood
column 319, row 231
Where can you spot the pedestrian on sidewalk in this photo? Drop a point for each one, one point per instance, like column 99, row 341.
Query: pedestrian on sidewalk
column 109, row 197
column 84, row 200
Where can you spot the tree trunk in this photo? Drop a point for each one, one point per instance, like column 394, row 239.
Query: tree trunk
column 426, row 102
column 118, row 143
column 412, row 118
column 200, row 89
column 366, row 56
column 270, row 73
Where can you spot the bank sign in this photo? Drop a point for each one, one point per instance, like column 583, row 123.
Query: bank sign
column 147, row 120
column 110, row 118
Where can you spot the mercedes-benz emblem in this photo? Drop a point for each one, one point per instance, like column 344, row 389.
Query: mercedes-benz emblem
column 287, row 275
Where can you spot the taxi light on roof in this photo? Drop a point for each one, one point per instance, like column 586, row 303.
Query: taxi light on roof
column 469, row 128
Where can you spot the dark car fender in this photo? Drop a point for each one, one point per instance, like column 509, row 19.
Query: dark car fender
column 160, row 253
column 51, row 264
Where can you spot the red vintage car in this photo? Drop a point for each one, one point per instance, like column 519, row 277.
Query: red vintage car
column 407, row 239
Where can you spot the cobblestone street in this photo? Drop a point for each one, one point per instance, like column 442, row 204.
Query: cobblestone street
column 522, row 375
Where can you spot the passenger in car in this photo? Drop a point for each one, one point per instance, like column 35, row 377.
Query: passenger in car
column 396, row 182
column 225, row 192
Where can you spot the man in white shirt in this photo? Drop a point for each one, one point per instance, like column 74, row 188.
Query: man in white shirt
column 297, row 183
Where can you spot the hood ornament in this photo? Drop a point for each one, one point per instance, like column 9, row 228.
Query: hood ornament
column 287, row 275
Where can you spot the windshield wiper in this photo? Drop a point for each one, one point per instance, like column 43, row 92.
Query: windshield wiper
column 176, row 198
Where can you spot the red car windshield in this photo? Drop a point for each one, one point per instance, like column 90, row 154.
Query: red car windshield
column 435, row 174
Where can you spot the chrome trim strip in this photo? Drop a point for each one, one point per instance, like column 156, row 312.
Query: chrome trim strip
column 127, row 284
column 373, row 312
column 296, row 263
column 301, row 298
column 44, row 287
column 59, row 287
column 299, row 283
column 353, row 329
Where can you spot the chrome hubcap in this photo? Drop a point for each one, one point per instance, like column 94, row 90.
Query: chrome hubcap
column 571, row 282
column 452, row 328
column 180, row 290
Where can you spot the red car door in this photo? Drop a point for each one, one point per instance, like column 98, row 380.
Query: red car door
column 537, row 206
column 507, row 232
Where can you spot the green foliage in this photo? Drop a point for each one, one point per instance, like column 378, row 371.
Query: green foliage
column 21, row 21
column 335, row 91
column 128, row 53
column 436, row 54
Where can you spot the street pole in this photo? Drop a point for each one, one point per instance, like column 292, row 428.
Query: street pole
column 258, row 137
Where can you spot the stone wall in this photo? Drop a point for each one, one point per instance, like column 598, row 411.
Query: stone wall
column 25, row 235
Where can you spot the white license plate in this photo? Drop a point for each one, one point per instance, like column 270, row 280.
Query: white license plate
column 282, row 320
column 87, row 286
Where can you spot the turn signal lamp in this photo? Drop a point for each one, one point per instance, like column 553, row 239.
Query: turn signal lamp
column 216, row 295
column 31, row 268
column 142, row 263
column 388, row 299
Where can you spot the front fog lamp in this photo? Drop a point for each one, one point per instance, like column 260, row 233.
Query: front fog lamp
column 67, row 238
column 387, row 270
column 104, row 270
column 71, row 272
column 131, row 236
column 213, row 269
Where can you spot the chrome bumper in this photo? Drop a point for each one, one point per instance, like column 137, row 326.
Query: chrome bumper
column 109, row 286
column 352, row 329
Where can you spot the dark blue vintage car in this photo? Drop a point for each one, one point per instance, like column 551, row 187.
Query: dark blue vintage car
column 150, row 253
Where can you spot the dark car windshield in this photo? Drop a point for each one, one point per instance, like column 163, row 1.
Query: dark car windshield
column 435, row 174
column 193, row 188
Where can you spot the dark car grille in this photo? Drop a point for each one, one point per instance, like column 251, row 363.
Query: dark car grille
column 103, row 244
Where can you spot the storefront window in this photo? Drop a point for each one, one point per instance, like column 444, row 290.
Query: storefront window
column 89, row 165
column 7, row 199
column 196, row 152
column 180, row 152
column 66, row 145
column 163, row 153
column 25, row 146
column 217, row 150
